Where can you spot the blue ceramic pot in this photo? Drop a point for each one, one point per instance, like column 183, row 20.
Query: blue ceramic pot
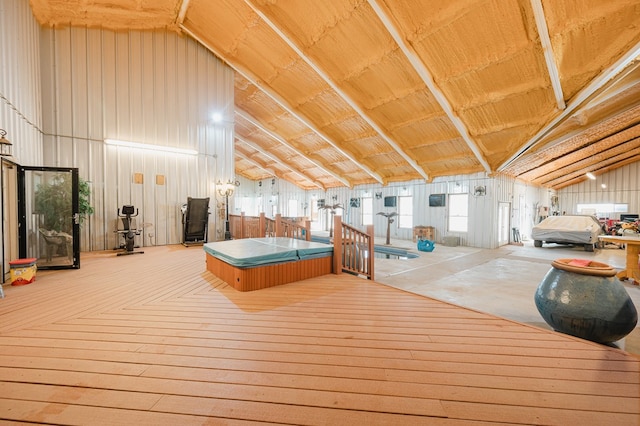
column 586, row 300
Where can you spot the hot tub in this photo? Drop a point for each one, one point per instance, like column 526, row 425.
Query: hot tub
column 255, row 263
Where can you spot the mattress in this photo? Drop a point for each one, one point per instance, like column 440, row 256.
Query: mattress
column 249, row 252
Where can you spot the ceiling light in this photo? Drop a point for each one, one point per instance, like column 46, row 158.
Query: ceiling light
column 150, row 147
column 216, row 117
column 590, row 175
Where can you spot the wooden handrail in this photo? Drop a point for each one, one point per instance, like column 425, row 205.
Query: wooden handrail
column 352, row 249
column 261, row 226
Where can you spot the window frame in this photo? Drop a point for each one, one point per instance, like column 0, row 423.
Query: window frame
column 405, row 213
column 455, row 215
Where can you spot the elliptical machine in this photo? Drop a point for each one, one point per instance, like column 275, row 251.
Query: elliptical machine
column 128, row 230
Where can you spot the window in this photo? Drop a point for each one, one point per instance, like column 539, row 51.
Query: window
column 367, row 211
column 458, row 212
column 602, row 209
column 405, row 212
column 293, row 208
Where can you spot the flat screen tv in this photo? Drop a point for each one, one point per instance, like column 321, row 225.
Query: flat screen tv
column 436, row 200
column 390, row 201
column 628, row 217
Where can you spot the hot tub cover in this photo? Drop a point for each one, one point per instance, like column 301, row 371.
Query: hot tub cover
column 249, row 252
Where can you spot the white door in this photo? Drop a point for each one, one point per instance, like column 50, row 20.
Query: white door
column 504, row 214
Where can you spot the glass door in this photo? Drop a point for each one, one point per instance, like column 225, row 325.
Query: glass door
column 48, row 216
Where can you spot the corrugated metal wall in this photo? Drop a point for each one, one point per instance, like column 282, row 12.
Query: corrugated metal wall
column 622, row 186
column 483, row 209
column 20, row 111
column 155, row 88
column 20, row 108
column 80, row 86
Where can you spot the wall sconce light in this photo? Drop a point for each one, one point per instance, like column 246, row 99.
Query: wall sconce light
column 590, row 175
column 603, row 186
column 5, row 145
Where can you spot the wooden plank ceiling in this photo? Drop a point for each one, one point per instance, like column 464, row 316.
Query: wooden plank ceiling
column 347, row 92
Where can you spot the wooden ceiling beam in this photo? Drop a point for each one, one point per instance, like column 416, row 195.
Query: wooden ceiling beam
column 630, row 160
column 285, row 105
column 584, row 95
column 543, row 32
column 428, row 80
column 579, row 170
column 257, row 164
column 574, row 141
column 603, row 148
column 281, row 162
column 182, row 12
column 327, row 79
column 284, row 142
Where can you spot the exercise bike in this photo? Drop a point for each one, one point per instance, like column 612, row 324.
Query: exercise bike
column 128, row 230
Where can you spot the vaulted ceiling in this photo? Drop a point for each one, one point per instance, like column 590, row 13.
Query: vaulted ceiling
column 345, row 92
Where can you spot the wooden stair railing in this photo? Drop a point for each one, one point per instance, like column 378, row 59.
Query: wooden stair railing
column 352, row 249
column 261, row 226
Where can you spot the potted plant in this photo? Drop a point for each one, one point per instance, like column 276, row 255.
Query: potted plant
column 53, row 202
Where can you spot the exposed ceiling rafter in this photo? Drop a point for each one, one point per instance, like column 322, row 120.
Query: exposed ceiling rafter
column 279, row 161
column 619, row 90
column 543, row 31
column 281, row 140
column 182, row 12
column 459, row 87
column 327, row 79
column 285, row 105
column 616, row 127
column 603, row 78
column 427, row 78
column 257, row 164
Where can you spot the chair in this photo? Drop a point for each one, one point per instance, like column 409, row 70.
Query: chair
column 127, row 229
column 195, row 221
column 53, row 242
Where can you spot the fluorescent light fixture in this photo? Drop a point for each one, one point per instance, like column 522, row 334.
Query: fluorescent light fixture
column 161, row 148
column 590, row 176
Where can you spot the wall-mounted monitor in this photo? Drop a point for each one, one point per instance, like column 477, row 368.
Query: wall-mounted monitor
column 628, row 217
column 390, row 201
column 437, row 200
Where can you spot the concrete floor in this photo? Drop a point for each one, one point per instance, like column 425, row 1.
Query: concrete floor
column 500, row 281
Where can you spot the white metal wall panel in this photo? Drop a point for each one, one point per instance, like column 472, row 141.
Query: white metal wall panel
column 20, row 102
column 622, row 187
column 483, row 209
column 155, row 88
column 93, row 232
column 94, row 87
column 78, row 91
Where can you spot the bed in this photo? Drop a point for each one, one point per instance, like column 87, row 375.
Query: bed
column 254, row 263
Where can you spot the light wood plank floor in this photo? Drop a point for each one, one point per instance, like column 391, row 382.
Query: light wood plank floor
column 156, row 339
